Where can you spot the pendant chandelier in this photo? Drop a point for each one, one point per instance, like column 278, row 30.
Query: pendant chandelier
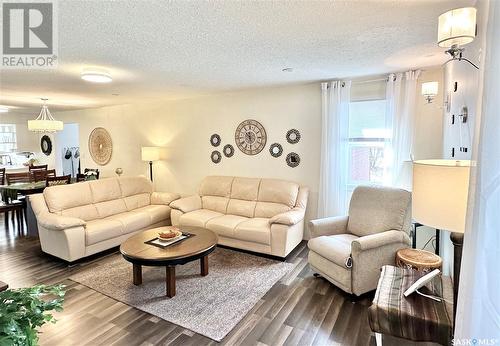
column 45, row 122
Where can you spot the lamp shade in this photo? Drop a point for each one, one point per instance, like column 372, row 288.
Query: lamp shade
column 430, row 88
column 150, row 153
column 457, row 27
column 440, row 193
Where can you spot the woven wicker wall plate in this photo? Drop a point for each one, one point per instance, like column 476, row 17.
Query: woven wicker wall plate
column 100, row 146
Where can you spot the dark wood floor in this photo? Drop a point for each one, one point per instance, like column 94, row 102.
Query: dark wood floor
column 298, row 310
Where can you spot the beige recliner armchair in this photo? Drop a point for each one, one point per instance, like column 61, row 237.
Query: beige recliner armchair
column 350, row 250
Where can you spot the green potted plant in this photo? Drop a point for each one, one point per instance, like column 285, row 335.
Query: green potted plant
column 24, row 310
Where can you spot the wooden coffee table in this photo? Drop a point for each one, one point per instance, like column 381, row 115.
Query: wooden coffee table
column 198, row 246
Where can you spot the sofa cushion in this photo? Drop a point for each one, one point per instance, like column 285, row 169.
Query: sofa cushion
column 62, row 197
column 108, row 208
column 135, row 185
column 256, row 230
column 137, row 201
column 245, row 188
column 105, row 190
column 241, row 207
column 225, row 225
column 375, row 209
column 216, row 186
column 157, row 212
column 101, row 230
column 268, row 209
column 215, row 203
column 132, row 220
column 198, row 217
column 85, row 212
column 278, row 191
column 336, row 248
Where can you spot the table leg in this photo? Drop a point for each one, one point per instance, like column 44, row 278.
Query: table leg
column 437, row 241
column 137, row 272
column 204, row 265
column 170, row 281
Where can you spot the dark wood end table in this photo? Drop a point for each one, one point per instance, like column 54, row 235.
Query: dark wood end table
column 196, row 247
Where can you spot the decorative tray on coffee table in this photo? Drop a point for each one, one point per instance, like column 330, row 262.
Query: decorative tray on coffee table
column 165, row 242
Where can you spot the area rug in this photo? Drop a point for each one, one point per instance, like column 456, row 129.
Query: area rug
column 211, row 305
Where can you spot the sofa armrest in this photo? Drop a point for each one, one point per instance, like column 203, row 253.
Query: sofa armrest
column 291, row 217
column 187, row 204
column 164, row 197
column 376, row 240
column 328, row 226
column 57, row 222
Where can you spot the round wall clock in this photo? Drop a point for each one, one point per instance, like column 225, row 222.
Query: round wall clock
column 250, row 137
column 293, row 159
column 216, row 156
column 276, row 150
column 46, row 145
column 215, row 140
column 293, row 136
column 228, row 150
column 100, row 146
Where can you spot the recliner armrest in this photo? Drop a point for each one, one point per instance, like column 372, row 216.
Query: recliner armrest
column 187, row 204
column 58, row 222
column 376, row 240
column 164, row 198
column 328, row 226
column 289, row 218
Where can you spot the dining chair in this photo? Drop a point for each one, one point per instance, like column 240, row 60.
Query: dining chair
column 86, row 170
column 2, row 176
column 38, row 168
column 61, row 180
column 17, row 212
column 41, row 175
column 13, row 178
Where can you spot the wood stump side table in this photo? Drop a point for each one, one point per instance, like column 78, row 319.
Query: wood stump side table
column 418, row 260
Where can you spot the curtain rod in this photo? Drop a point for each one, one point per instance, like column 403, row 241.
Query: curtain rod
column 382, row 79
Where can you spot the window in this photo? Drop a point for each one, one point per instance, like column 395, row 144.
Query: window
column 8, row 139
column 368, row 135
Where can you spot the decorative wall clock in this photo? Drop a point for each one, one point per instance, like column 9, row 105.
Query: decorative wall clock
column 293, row 159
column 100, row 146
column 46, row 145
column 215, row 140
column 216, row 156
column 276, row 150
column 293, row 136
column 250, row 137
column 228, row 150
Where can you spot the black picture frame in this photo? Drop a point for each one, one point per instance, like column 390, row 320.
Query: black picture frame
column 293, row 159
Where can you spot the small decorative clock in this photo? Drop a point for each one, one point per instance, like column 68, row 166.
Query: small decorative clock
column 250, row 137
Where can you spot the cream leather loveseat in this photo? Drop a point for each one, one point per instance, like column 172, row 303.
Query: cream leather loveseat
column 81, row 219
column 260, row 215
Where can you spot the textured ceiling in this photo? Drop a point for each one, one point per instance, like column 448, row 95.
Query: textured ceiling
column 181, row 49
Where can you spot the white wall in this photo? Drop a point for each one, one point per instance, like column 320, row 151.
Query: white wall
column 184, row 128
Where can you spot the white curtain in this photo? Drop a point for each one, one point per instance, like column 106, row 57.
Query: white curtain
column 401, row 95
column 334, row 136
column 478, row 309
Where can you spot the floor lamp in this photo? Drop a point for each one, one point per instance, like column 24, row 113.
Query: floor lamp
column 150, row 154
column 439, row 200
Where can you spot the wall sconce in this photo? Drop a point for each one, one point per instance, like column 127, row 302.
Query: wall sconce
column 457, row 28
column 429, row 91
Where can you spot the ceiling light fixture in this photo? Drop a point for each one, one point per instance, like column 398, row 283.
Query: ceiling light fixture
column 287, row 69
column 96, row 76
column 4, row 109
column 457, row 28
column 45, row 122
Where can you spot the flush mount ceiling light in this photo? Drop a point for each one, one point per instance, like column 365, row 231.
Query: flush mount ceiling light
column 96, row 76
column 287, row 69
column 45, row 122
column 4, row 109
column 429, row 90
column 457, row 28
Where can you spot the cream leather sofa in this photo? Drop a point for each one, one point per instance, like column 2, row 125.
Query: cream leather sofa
column 260, row 215
column 81, row 219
